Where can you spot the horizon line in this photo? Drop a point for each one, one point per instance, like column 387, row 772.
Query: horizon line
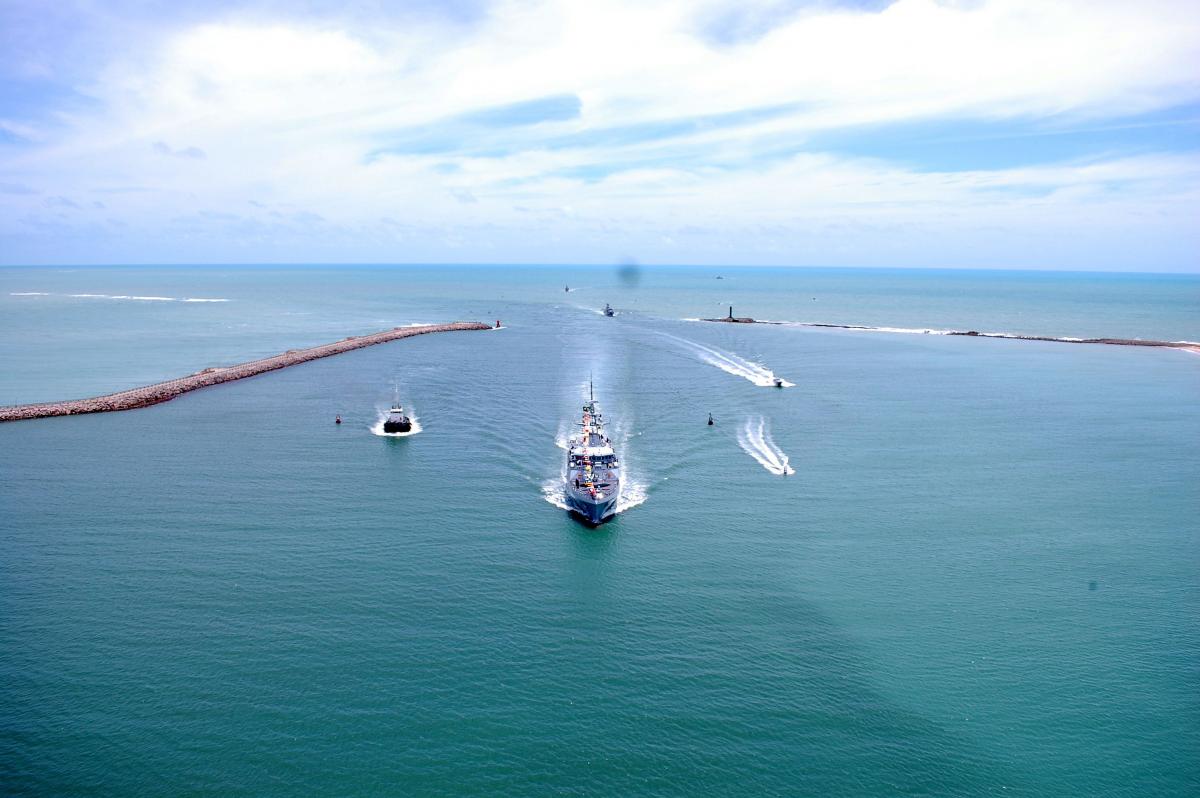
column 592, row 265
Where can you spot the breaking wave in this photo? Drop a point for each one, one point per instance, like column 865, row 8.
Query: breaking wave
column 730, row 363
column 136, row 298
column 1012, row 336
column 756, row 441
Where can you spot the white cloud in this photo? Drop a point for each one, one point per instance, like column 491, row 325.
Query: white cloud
column 289, row 113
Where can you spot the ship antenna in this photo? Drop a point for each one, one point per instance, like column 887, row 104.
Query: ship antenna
column 591, row 389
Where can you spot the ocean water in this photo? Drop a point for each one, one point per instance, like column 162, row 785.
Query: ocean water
column 933, row 565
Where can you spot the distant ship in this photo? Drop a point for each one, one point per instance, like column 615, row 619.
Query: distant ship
column 396, row 420
column 593, row 471
column 608, row 311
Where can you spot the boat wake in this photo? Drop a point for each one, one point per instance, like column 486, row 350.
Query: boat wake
column 553, row 491
column 563, row 438
column 730, row 363
column 633, row 493
column 377, row 427
column 756, row 441
column 587, row 309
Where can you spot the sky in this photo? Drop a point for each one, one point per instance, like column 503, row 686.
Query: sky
column 1026, row 134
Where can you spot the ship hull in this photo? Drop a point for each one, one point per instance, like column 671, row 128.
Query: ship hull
column 397, row 426
column 594, row 511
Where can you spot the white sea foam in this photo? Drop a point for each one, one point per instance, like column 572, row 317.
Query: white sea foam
column 633, row 493
column 730, row 363
column 756, row 441
column 866, row 328
column 131, row 297
column 597, row 311
column 28, row 293
column 554, row 491
column 377, row 427
column 563, row 438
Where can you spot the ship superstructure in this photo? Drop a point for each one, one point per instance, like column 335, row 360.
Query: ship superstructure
column 397, row 420
column 593, row 481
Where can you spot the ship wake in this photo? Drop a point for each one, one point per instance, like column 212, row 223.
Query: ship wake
column 633, row 493
column 756, row 441
column 730, row 363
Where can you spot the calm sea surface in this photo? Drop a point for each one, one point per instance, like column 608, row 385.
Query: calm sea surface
column 982, row 578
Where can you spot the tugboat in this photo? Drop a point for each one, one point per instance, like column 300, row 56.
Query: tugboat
column 396, row 420
column 608, row 311
column 593, row 480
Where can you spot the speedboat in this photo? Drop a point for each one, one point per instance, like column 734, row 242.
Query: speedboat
column 608, row 311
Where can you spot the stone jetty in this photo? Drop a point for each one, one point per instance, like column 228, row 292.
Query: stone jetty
column 1190, row 346
column 732, row 319
column 165, row 391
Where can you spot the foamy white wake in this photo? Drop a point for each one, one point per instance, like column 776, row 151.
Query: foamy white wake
column 755, row 440
column 633, row 493
column 587, row 309
column 121, row 296
column 730, row 363
column 377, row 427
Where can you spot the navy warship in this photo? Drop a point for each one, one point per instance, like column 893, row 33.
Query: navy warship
column 593, row 480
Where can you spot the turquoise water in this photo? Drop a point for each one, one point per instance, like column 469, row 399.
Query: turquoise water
column 982, row 577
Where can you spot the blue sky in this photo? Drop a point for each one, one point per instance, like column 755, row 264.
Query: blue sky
column 1034, row 134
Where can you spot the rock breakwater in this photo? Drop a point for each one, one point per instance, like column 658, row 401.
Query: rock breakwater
column 164, row 391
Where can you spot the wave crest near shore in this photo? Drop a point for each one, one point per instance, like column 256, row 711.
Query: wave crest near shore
column 1190, row 346
column 135, row 298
